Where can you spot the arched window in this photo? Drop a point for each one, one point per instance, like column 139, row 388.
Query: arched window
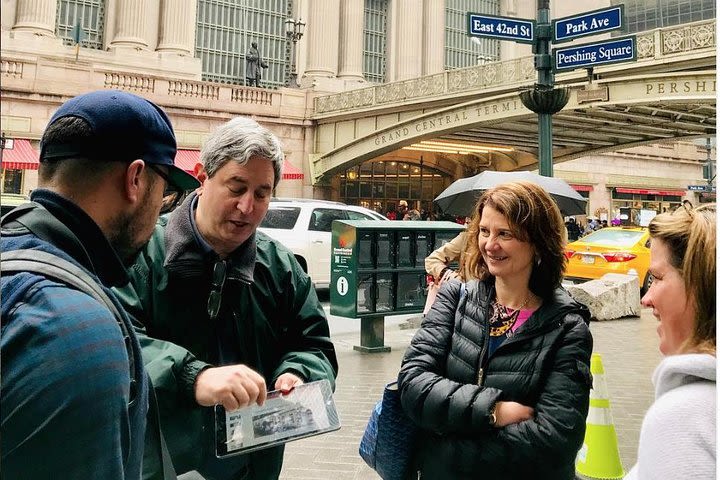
column 380, row 185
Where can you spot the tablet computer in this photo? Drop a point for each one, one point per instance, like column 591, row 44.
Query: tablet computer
column 307, row 410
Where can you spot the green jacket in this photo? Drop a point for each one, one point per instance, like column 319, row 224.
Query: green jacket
column 270, row 320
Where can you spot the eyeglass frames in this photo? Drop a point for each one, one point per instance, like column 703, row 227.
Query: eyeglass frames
column 217, row 283
column 172, row 194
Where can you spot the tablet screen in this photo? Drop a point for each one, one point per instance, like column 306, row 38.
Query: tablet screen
column 307, row 410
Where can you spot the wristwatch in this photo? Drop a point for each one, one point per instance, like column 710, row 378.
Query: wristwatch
column 493, row 417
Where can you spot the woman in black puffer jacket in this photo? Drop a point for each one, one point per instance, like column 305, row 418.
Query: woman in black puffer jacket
column 498, row 376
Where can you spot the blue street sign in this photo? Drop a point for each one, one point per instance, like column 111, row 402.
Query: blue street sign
column 592, row 54
column 588, row 23
column 504, row 28
column 701, row 188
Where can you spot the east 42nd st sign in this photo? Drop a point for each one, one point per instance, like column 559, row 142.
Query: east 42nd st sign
column 503, row 28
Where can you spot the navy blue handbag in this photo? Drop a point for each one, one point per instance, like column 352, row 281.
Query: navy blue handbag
column 388, row 443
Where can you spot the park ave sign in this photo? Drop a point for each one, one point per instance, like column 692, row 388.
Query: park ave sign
column 589, row 23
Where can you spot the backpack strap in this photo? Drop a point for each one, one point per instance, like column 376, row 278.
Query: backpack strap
column 33, row 218
column 56, row 268
column 61, row 270
column 53, row 267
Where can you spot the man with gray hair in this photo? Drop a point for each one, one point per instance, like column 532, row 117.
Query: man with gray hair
column 228, row 312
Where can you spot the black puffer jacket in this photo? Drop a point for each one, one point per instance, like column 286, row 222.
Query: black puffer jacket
column 546, row 365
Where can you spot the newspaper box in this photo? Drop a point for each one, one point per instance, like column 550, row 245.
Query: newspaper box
column 378, row 269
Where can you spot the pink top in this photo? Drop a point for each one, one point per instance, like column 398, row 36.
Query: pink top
column 524, row 314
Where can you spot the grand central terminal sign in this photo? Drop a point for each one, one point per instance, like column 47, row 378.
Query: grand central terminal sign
column 500, row 111
column 444, row 121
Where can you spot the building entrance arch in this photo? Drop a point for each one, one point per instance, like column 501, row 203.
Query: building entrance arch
column 381, row 184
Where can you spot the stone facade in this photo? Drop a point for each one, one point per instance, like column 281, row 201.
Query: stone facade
column 149, row 50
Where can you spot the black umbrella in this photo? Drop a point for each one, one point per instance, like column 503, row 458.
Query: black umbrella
column 460, row 197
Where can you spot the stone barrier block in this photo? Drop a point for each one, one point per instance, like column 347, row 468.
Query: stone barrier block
column 612, row 296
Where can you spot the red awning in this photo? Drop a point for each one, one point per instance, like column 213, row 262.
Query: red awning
column 582, row 188
column 187, row 159
column 291, row 172
column 21, row 156
column 642, row 191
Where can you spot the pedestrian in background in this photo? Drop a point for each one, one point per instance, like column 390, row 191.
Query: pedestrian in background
column 437, row 265
column 590, row 227
column 228, row 312
column 412, row 215
column 401, row 210
column 678, row 436
column 438, row 262
column 74, row 391
column 573, row 230
column 498, row 376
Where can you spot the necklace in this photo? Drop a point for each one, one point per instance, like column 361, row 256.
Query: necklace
column 502, row 321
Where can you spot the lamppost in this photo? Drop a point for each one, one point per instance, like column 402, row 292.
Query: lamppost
column 543, row 98
column 294, row 30
column 710, row 170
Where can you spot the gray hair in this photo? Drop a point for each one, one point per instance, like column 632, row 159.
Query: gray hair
column 239, row 140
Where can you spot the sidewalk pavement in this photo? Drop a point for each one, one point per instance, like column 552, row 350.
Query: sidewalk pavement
column 629, row 349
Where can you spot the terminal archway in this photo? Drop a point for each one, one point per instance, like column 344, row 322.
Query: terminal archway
column 380, row 184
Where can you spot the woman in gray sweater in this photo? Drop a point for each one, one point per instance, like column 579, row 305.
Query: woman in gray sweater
column 677, row 439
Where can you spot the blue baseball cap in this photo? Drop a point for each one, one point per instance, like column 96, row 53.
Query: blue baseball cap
column 125, row 128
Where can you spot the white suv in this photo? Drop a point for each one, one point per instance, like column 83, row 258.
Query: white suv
column 305, row 227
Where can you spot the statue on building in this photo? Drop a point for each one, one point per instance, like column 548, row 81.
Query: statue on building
column 253, row 65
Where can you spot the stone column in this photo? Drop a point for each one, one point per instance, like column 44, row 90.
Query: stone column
column 177, row 26
column 36, row 16
column 409, row 40
column 434, row 36
column 352, row 13
column 322, row 31
column 130, row 24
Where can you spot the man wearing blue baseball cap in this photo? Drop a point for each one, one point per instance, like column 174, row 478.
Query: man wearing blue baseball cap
column 74, row 392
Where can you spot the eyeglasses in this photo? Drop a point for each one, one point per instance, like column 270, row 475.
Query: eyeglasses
column 218, row 281
column 172, row 194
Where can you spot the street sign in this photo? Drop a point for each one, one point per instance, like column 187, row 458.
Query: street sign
column 617, row 50
column 588, row 23
column 701, row 188
column 599, row 94
column 503, row 28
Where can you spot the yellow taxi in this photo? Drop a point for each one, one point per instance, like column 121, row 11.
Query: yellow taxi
column 623, row 250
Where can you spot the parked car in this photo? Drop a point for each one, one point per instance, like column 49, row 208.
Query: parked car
column 304, row 226
column 610, row 250
column 8, row 201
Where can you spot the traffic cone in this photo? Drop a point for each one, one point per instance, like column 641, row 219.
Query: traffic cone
column 599, row 456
